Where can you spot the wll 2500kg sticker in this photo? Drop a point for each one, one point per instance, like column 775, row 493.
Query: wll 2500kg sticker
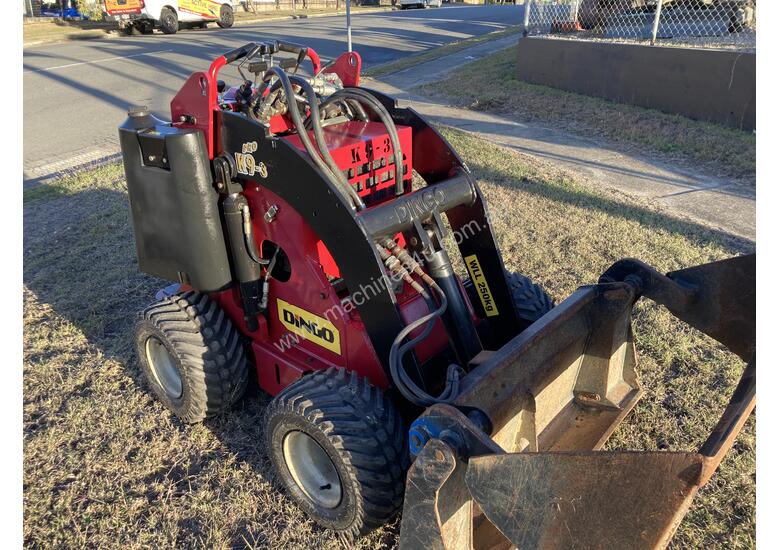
column 480, row 284
column 309, row 326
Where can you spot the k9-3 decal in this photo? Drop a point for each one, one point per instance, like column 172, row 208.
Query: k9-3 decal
column 246, row 163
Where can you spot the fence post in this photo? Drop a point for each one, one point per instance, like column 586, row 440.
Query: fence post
column 349, row 27
column 656, row 21
column 526, row 16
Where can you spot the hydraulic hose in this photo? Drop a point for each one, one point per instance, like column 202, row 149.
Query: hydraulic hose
column 408, row 388
column 302, row 133
column 319, row 136
column 362, row 96
column 360, row 113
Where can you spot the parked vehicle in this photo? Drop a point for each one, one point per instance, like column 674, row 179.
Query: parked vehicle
column 168, row 15
column 66, row 9
column 737, row 14
column 419, row 4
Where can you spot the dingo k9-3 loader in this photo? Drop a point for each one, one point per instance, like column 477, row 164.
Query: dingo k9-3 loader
column 301, row 219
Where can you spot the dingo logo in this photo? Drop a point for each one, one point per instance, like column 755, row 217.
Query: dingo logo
column 420, row 205
column 475, row 270
column 245, row 161
column 309, row 326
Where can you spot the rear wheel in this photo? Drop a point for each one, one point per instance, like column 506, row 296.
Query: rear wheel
column 169, row 21
column 191, row 356
column 226, row 17
column 339, row 448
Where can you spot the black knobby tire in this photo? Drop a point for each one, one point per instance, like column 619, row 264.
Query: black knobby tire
column 146, row 27
column 226, row 17
column 204, row 349
column 169, row 21
column 361, row 432
column 531, row 300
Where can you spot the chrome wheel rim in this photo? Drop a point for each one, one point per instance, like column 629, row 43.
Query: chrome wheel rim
column 163, row 367
column 312, row 469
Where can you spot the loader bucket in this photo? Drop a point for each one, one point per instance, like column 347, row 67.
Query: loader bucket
column 515, row 460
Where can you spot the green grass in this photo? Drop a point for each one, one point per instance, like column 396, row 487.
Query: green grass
column 491, row 84
column 107, row 466
column 441, row 51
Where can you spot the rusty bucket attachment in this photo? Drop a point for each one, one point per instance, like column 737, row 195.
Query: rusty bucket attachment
column 515, row 460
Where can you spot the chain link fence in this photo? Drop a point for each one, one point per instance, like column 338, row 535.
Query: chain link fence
column 694, row 23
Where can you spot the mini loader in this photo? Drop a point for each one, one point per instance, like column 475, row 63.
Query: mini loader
column 301, row 219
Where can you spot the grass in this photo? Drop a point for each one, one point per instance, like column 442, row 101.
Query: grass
column 107, row 466
column 435, row 53
column 42, row 32
column 493, row 86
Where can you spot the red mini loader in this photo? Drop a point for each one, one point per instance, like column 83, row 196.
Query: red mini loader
column 302, row 219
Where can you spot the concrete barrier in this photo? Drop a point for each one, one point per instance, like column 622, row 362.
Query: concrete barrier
column 712, row 85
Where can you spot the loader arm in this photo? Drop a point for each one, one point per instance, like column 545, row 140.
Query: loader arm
column 523, row 439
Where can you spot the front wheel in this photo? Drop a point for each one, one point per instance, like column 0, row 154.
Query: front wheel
column 191, row 355
column 226, row 17
column 338, row 446
column 169, row 21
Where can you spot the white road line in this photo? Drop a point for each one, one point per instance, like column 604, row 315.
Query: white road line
column 95, row 61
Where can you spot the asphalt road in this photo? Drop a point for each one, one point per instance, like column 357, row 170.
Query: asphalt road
column 77, row 93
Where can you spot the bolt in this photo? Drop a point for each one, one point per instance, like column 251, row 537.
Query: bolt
column 270, row 214
column 438, row 455
column 455, row 441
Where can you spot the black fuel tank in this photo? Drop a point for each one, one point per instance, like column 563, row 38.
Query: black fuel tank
column 176, row 221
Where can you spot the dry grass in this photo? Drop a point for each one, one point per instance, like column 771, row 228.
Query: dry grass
column 106, row 466
column 56, row 31
column 490, row 84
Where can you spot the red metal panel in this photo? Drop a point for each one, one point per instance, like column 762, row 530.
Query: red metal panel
column 363, row 150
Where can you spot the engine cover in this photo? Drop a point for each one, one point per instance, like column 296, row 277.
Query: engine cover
column 364, row 153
